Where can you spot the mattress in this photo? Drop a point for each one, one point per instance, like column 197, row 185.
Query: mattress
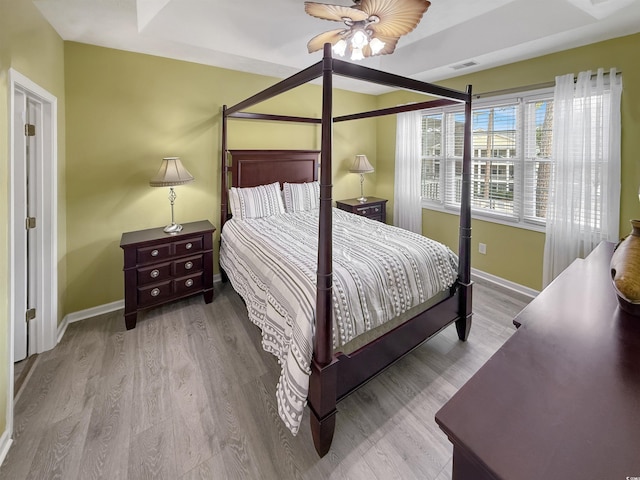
column 380, row 273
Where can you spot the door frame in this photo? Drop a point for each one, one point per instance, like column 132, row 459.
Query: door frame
column 42, row 330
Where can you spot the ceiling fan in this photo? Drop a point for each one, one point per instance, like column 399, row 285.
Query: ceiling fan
column 372, row 27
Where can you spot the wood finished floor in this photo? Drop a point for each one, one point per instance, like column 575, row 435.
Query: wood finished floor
column 189, row 394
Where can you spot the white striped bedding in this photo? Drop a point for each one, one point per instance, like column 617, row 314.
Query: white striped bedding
column 379, row 272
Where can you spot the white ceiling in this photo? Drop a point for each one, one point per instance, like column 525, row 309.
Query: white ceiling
column 269, row 37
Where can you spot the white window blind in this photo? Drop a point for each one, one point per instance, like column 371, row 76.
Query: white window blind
column 538, row 160
column 454, row 138
column 495, row 158
column 431, row 185
column 511, row 157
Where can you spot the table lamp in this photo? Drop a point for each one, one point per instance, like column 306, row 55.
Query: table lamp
column 170, row 174
column 361, row 165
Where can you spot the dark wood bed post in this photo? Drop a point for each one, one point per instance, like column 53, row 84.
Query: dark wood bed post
column 463, row 324
column 225, row 172
column 322, row 396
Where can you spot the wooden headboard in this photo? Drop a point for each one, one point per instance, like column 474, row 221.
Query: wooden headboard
column 261, row 167
column 250, row 168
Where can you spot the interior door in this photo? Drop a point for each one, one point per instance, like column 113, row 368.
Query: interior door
column 32, row 133
column 28, row 112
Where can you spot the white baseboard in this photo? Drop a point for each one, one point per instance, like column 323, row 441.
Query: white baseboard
column 510, row 287
column 62, row 328
column 95, row 311
column 99, row 310
column 5, row 444
column 88, row 313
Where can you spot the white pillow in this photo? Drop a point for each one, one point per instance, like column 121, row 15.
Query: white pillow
column 299, row 197
column 256, row 202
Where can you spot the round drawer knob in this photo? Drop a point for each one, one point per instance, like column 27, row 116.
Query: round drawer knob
column 188, row 265
column 155, row 292
column 188, row 283
column 154, row 253
column 154, row 273
column 189, row 245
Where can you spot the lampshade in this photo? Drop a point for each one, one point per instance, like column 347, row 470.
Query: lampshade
column 361, row 165
column 171, row 173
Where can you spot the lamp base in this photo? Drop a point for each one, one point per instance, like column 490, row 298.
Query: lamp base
column 362, row 198
column 173, row 228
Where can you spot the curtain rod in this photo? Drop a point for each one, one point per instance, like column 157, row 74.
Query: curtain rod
column 525, row 88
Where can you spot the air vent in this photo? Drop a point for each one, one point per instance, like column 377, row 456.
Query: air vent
column 460, row 66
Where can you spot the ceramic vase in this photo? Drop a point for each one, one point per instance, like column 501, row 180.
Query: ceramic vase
column 625, row 271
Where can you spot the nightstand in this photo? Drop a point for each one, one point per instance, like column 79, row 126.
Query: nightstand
column 374, row 208
column 161, row 267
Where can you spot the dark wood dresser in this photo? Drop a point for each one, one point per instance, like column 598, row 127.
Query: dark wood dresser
column 374, row 208
column 561, row 398
column 161, row 267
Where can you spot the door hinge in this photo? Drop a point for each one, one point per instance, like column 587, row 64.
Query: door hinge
column 29, row 130
column 30, row 315
column 31, row 223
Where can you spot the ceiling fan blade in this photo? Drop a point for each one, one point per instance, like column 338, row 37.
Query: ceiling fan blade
column 334, row 12
column 317, row 42
column 397, row 17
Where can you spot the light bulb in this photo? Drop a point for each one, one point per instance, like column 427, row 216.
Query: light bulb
column 376, row 46
column 359, row 39
column 340, row 47
column 356, row 54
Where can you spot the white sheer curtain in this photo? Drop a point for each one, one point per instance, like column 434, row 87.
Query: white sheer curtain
column 407, row 210
column 584, row 196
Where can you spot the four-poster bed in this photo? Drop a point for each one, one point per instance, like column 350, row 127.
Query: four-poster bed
column 334, row 376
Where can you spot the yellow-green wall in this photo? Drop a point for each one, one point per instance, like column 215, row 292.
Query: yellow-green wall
column 127, row 111
column 29, row 45
column 513, row 253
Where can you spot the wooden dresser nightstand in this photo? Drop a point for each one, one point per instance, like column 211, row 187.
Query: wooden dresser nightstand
column 374, row 208
column 161, row 267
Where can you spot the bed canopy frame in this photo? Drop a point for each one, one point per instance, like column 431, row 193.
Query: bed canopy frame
column 333, row 377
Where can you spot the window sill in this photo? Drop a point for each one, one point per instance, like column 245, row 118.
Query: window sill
column 485, row 218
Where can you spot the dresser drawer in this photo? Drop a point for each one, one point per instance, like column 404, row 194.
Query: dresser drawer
column 188, row 265
column 373, row 208
column 186, row 284
column 155, row 293
column 189, row 245
column 369, row 211
column 154, row 273
column 378, row 217
column 154, row 254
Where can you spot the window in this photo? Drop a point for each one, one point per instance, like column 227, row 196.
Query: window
column 511, row 157
column 431, row 156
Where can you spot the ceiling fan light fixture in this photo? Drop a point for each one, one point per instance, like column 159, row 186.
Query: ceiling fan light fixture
column 356, row 54
column 359, row 40
column 340, row 47
column 376, row 46
column 356, row 42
